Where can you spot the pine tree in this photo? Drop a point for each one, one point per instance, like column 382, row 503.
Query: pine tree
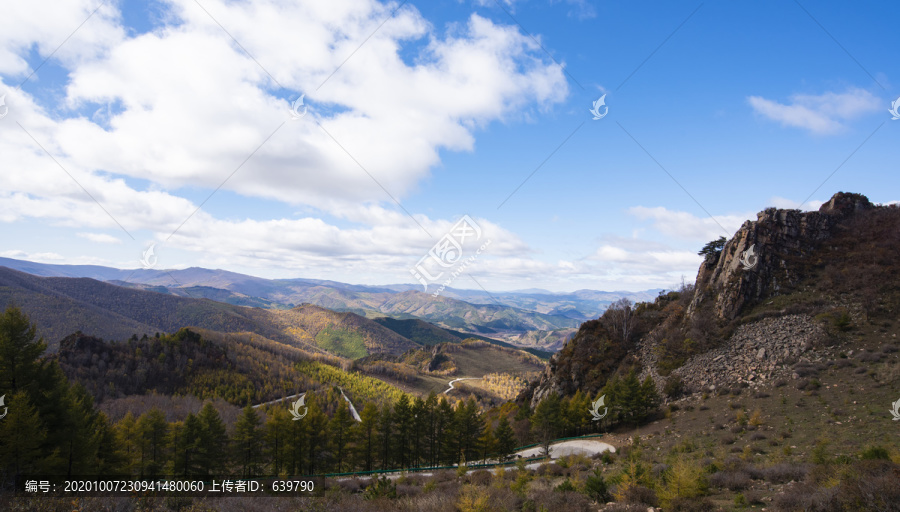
column 213, row 442
column 403, row 419
column 110, row 455
column 506, row 439
column 21, row 436
column 247, row 443
column 386, row 428
column 445, row 434
column 649, row 400
column 278, row 431
column 339, row 433
column 152, row 428
column 545, row 420
column 126, row 432
column 316, row 424
column 19, row 353
column 187, row 460
column 487, row 442
column 366, row 435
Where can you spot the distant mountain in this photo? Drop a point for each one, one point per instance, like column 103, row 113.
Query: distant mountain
column 501, row 315
column 61, row 306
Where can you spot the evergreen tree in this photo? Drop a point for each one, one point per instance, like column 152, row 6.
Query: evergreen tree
column 445, row 434
column 152, row 428
column 278, row 432
column 545, row 420
column 339, row 433
column 110, row 456
column 366, row 434
column 21, row 436
column 419, row 424
column 19, row 353
column 487, row 442
column 430, row 425
column 126, row 432
column 403, row 420
column 649, row 399
column 470, row 426
column 187, row 459
column 298, row 446
column 316, row 441
column 247, row 443
column 213, row 442
column 385, row 429
column 506, row 439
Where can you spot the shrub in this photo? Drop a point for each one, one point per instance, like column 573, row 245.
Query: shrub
column 568, row 501
column 674, row 387
column 380, row 488
column 595, row 487
column 780, row 383
column 640, row 494
column 685, row 479
column 757, row 436
column 472, row 499
column 731, row 480
column 481, row 477
column 874, row 453
column 565, row 486
column 691, row 505
column 756, row 418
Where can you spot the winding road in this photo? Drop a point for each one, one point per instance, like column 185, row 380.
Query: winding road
column 451, row 388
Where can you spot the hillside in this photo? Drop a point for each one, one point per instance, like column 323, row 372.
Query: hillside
column 817, row 273
column 62, row 306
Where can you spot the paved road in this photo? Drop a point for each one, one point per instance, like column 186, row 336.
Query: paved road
column 451, row 388
column 276, row 401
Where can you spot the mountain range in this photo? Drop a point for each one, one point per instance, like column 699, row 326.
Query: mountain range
column 530, row 318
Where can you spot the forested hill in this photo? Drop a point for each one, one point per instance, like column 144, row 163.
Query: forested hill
column 241, row 369
column 61, row 306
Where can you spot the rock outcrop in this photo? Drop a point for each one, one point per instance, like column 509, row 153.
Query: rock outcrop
column 778, row 239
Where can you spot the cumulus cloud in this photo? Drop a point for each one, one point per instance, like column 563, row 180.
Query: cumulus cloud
column 184, row 107
column 820, row 114
column 790, row 204
column 100, row 238
column 687, row 226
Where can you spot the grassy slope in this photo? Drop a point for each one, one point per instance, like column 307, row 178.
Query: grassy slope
column 849, row 411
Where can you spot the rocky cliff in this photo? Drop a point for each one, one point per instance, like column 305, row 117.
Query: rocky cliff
column 760, row 259
column 777, row 254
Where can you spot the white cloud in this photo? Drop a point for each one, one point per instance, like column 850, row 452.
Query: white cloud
column 687, row 226
column 790, row 204
column 100, row 238
column 40, row 257
column 820, row 114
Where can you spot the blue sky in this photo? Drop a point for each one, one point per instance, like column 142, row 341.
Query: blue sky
column 169, row 123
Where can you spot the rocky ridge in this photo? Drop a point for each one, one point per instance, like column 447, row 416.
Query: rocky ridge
column 778, row 238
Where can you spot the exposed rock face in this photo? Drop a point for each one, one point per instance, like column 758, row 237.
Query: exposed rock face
column 781, row 239
column 778, row 238
column 755, row 354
